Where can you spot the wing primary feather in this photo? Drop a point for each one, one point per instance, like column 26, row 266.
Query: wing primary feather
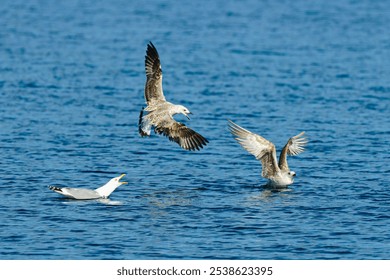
column 153, row 85
column 140, row 131
column 294, row 146
column 187, row 138
column 258, row 146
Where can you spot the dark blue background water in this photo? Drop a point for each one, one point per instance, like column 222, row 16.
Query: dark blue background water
column 71, row 87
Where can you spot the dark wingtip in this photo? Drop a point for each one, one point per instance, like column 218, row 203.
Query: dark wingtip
column 140, row 131
column 197, row 143
column 151, row 50
column 54, row 188
column 143, row 134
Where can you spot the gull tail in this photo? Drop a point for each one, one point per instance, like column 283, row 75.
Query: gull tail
column 143, row 125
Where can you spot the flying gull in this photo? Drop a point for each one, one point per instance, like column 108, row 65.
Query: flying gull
column 278, row 174
column 160, row 112
column 102, row 192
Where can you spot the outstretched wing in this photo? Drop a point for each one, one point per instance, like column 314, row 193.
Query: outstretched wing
column 295, row 145
column 177, row 132
column 258, row 146
column 153, row 86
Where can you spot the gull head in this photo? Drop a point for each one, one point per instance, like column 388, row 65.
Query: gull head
column 291, row 175
column 282, row 179
column 117, row 181
column 180, row 109
column 111, row 186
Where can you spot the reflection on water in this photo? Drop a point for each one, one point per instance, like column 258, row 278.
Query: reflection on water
column 269, row 194
column 105, row 201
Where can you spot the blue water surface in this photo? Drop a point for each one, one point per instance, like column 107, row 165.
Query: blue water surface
column 71, row 88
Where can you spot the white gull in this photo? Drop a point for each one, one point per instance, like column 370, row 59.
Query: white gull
column 81, row 193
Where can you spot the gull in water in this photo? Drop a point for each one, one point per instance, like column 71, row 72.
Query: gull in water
column 160, row 112
column 278, row 174
column 80, row 193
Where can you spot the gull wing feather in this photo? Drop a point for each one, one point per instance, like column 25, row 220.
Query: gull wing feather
column 76, row 193
column 153, row 86
column 258, row 146
column 295, row 145
column 177, row 132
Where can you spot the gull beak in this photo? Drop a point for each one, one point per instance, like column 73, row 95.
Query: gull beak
column 188, row 116
column 120, row 177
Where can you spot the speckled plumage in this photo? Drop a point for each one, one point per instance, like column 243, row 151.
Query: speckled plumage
column 160, row 112
column 279, row 174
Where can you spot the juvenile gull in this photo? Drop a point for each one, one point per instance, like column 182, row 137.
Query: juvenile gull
column 80, row 193
column 160, row 112
column 279, row 175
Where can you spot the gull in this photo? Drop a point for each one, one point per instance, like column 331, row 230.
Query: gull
column 80, row 193
column 278, row 174
column 160, row 112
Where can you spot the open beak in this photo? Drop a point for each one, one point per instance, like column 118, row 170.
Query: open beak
column 188, row 116
column 120, row 177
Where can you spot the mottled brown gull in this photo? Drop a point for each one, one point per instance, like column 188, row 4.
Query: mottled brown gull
column 160, row 112
column 278, row 174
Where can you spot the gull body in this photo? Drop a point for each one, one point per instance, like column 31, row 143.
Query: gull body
column 81, row 193
column 159, row 112
column 277, row 173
